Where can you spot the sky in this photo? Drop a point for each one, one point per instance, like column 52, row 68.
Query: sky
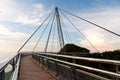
column 19, row 19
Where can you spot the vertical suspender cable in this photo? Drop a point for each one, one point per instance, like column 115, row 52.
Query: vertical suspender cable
column 79, row 31
column 33, row 33
column 42, row 34
column 66, row 33
column 49, row 34
column 53, row 38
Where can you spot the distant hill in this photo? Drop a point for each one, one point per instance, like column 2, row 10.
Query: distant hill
column 74, row 48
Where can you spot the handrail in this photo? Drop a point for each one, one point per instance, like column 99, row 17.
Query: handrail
column 15, row 73
column 5, row 62
column 81, row 66
column 115, row 62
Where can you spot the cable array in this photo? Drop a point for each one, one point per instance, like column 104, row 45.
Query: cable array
column 58, row 32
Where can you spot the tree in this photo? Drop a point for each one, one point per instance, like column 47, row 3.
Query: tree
column 73, row 48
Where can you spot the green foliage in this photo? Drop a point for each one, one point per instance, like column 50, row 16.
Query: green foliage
column 111, row 55
column 114, row 55
column 73, row 48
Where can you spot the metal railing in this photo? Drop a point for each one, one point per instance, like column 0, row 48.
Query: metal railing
column 46, row 58
column 14, row 61
column 16, row 71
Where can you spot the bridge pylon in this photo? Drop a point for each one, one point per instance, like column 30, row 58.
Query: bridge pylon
column 60, row 33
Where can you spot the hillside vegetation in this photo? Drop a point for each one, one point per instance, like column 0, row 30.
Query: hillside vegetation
column 111, row 55
column 73, row 48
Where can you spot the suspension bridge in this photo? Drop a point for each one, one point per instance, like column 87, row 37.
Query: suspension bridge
column 52, row 65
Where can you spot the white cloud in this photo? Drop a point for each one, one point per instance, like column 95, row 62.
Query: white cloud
column 96, row 37
column 34, row 16
column 26, row 20
column 6, row 33
column 108, row 18
column 8, row 11
column 10, row 41
column 12, row 12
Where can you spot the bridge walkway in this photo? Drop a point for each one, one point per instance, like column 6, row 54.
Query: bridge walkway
column 29, row 70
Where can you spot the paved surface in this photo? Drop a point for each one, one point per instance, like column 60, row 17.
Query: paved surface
column 29, row 70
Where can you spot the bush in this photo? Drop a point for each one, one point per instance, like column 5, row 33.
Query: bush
column 73, row 48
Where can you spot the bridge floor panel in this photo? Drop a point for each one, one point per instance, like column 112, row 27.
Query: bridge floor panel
column 29, row 70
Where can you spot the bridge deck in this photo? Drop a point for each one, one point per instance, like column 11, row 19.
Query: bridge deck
column 29, row 70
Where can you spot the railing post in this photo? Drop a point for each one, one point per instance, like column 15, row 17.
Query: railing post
column 116, row 71
column 13, row 65
column 39, row 60
column 36, row 58
column 47, row 61
column 42, row 59
column 73, row 73
column 2, row 75
column 17, row 57
column 57, row 69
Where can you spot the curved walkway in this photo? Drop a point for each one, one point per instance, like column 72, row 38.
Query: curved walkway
column 29, row 70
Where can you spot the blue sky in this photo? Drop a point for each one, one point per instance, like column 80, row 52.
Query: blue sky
column 18, row 20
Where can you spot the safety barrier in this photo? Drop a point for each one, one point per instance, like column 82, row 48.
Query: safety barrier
column 14, row 61
column 74, row 71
